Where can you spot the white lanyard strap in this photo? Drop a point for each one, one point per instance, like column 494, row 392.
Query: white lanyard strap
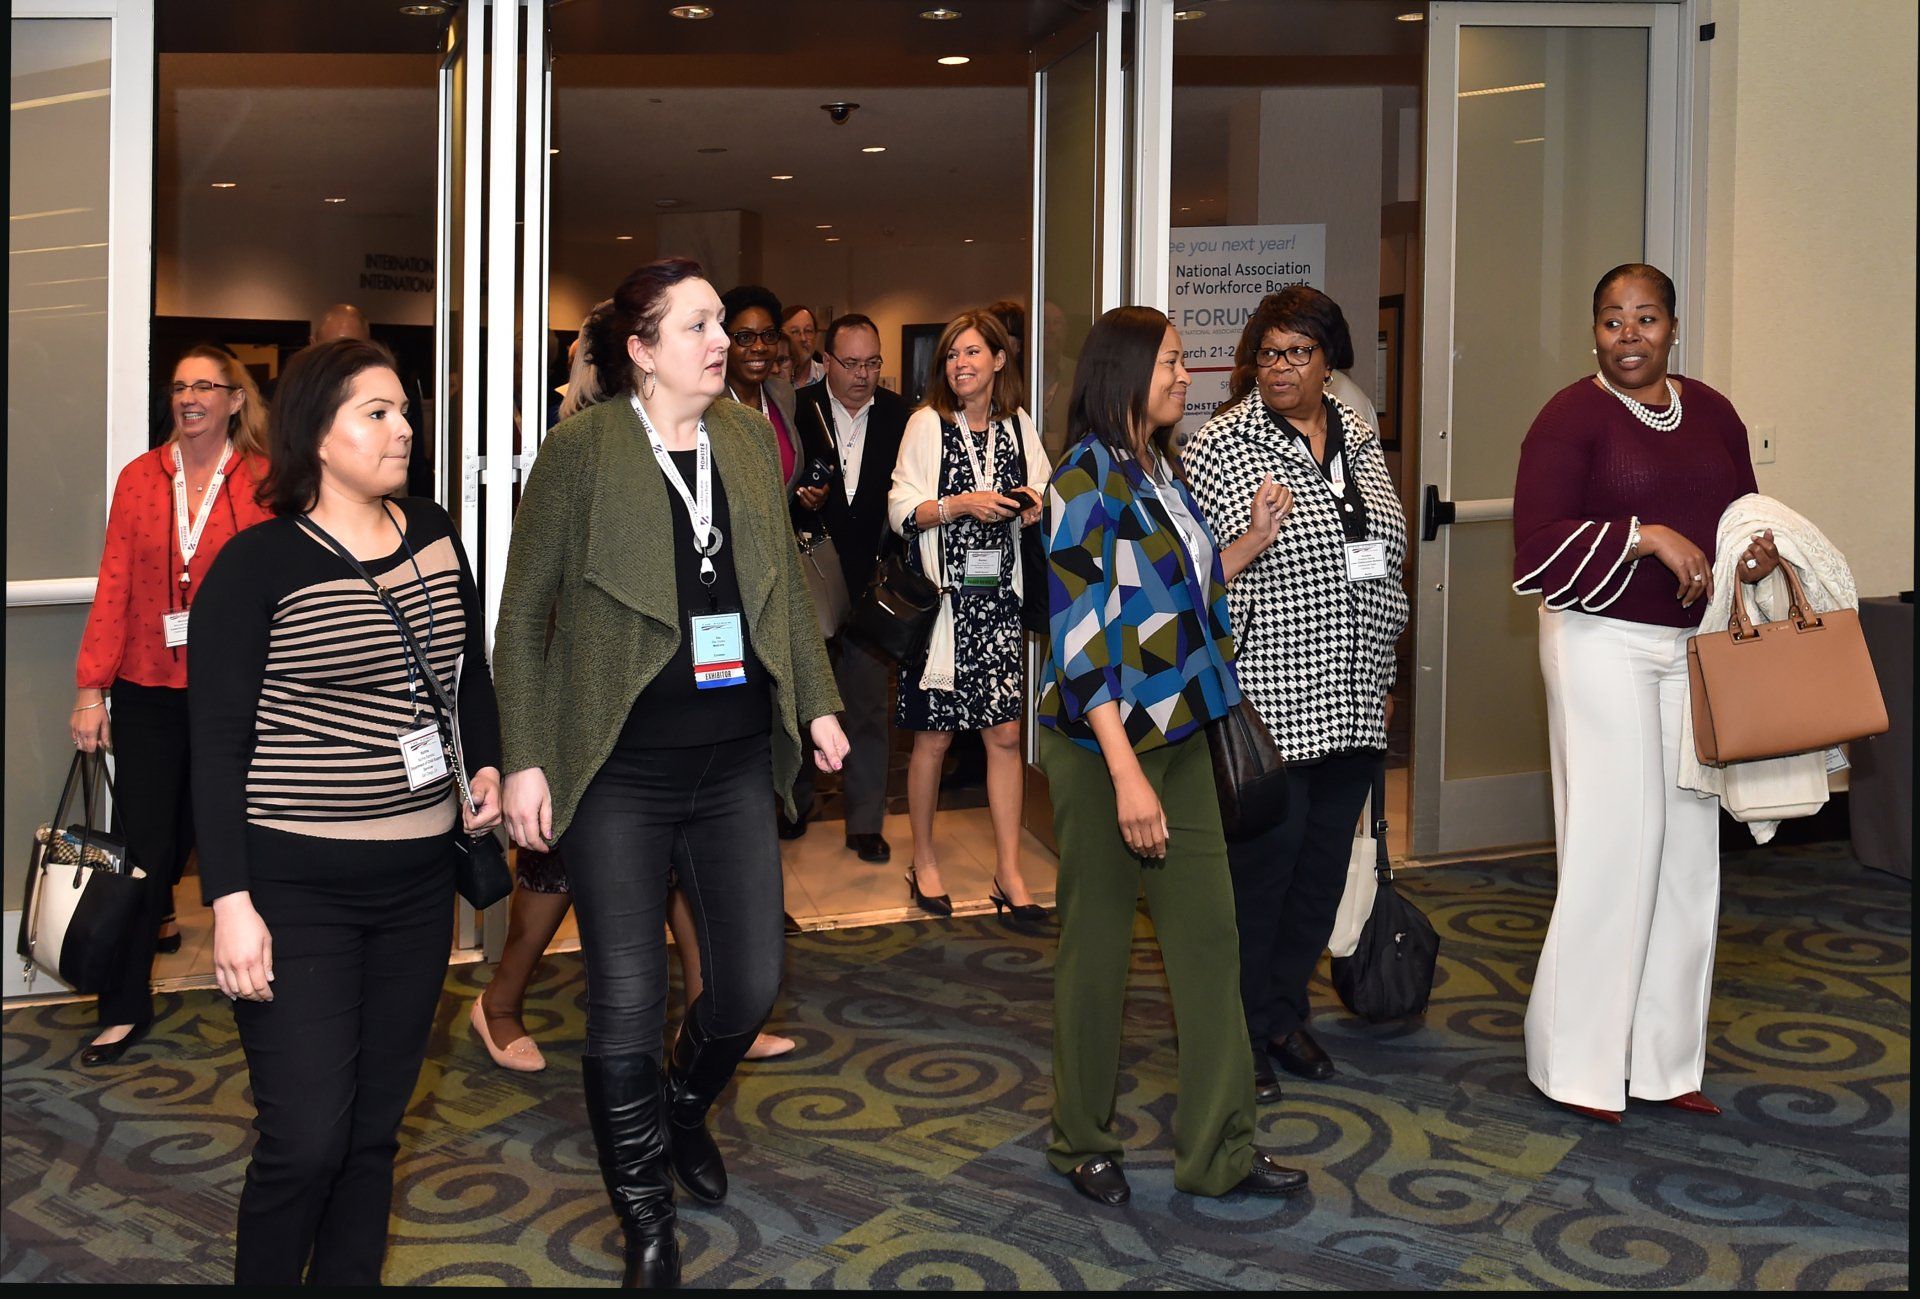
column 706, row 537
column 763, row 399
column 983, row 480
column 190, row 534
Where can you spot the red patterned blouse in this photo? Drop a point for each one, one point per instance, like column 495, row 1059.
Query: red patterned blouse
column 140, row 570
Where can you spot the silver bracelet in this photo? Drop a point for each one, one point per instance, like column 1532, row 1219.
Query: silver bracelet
column 1633, row 537
column 940, row 506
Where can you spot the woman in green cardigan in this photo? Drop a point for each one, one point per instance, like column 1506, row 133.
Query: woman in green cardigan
column 644, row 736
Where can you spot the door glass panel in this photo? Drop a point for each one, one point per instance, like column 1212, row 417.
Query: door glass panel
column 1550, row 192
column 1069, row 229
column 57, row 298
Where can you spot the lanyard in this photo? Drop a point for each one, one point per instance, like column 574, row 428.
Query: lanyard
column 763, row 400
column 983, row 479
column 409, row 648
column 706, row 537
column 190, row 535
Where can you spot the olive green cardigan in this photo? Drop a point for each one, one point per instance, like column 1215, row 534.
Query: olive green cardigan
column 593, row 547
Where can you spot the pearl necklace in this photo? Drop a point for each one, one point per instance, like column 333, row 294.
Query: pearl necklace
column 1665, row 421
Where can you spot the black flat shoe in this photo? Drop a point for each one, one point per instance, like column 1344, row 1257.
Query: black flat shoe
column 1030, row 913
column 1102, row 1181
column 169, row 945
column 1301, row 1056
column 871, row 847
column 794, row 829
column 1268, row 1178
column 1266, row 1085
column 938, row 904
column 93, row 1057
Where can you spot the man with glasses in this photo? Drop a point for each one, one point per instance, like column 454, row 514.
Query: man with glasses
column 853, row 425
column 805, row 364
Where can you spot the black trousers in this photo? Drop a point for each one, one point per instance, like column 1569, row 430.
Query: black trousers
column 702, row 816
column 333, row 1059
column 154, row 808
column 1287, row 885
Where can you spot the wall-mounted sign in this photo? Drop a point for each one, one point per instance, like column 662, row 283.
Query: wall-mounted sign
column 390, row 273
column 1216, row 278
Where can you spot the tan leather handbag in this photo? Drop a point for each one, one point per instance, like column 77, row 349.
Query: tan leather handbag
column 1792, row 686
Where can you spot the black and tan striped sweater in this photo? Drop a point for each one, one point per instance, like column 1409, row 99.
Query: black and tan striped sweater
column 300, row 692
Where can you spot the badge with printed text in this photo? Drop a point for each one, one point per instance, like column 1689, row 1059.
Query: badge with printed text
column 1366, row 560
column 719, row 650
column 173, row 624
column 983, row 569
column 425, row 755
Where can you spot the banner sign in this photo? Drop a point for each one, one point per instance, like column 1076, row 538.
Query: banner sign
column 1216, row 278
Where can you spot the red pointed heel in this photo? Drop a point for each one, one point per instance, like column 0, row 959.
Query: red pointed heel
column 1605, row 1116
column 1694, row 1103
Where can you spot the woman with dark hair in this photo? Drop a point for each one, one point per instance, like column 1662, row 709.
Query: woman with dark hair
column 1297, row 479
column 1623, row 465
column 754, row 338
column 968, row 478
column 1136, row 578
column 684, row 666
column 326, row 803
column 174, row 509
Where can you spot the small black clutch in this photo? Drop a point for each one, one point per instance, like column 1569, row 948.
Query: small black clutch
column 480, row 872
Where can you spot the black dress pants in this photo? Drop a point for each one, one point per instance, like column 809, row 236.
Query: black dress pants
column 1287, row 885
column 702, row 816
column 153, row 806
column 358, row 966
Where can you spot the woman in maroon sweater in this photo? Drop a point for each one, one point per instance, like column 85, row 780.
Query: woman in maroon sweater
column 1623, row 467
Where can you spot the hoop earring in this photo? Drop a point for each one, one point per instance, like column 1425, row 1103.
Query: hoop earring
column 648, row 382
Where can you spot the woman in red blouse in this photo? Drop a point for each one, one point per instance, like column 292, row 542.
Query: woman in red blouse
column 1623, row 467
column 173, row 508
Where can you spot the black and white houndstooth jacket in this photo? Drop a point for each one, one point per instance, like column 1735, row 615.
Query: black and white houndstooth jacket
column 1316, row 651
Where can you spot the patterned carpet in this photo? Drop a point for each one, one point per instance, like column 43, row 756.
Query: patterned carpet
column 900, row 1146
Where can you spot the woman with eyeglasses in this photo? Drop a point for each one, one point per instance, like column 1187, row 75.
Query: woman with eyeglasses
column 755, row 340
column 1297, row 479
column 173, row 509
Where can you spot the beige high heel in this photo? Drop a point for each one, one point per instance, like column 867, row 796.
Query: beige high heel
column 522, row 1055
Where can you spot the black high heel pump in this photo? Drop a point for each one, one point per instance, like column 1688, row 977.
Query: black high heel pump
column 1030, row 913
column 938, row 904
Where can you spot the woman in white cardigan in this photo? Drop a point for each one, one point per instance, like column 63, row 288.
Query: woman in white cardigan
column 971, row 474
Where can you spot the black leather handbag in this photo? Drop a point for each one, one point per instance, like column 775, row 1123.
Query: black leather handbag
column 1390, row 974
column 895, row 617
column 1247, row 772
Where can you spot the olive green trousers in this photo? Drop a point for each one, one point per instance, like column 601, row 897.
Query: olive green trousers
column 1190, row 897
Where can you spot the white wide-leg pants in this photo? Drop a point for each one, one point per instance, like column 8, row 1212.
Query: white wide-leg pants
column 1619, row 1005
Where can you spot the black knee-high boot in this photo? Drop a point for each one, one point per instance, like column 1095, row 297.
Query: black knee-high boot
column 700, row 1068
column 626, row 1106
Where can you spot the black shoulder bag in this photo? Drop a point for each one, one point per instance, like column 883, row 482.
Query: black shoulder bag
column 1390, row 974
column 895, row 617
column 480, row 872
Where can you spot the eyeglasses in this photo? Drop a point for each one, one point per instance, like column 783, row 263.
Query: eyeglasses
column 1297, row 357
column 869, row 366
column 748, row 337
column 202, row 387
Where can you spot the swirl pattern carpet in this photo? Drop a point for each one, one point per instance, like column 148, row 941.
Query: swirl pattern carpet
column 901, row 1144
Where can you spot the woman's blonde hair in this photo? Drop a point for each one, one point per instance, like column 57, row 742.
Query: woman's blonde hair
column 1008, row 390
column 248, row 426
column 583, row 381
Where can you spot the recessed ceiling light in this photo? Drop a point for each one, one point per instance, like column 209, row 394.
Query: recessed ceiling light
column 692, row 13
column 622, row 239
column 333, row 200
column 1186, row 209
column 226, row 184
column 875, row 148
column 782, row 176
column 954, row 61
column 833, row 239
column 423, row 11
column 1410, row 18
column 966, row 241
column 1188, row 15
column 828, row 226
column 939, row 15
column 712, row 148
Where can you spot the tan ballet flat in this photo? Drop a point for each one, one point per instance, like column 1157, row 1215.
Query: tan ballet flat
column 521, row 1055
column 768, row 1045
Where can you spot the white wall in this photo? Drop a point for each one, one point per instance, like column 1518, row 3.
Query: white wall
column 1809, row 312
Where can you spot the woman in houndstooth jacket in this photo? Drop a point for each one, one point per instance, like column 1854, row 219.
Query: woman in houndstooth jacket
column 1316, row 613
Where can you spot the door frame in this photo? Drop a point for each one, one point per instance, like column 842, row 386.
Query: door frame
column 1498, row 811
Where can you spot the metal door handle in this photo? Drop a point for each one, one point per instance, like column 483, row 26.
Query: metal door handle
column 1436, row 513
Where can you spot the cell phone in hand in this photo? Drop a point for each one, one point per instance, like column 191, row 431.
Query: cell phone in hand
column 818, row 473
column 1020, row 498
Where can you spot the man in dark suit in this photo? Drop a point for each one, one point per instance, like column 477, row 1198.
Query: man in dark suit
column 853, row 425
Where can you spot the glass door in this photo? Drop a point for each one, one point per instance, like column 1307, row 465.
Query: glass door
column 1553, row 152
column 1078, row 241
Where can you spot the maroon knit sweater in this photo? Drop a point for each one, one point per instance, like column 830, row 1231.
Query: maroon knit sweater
column 1588, row 467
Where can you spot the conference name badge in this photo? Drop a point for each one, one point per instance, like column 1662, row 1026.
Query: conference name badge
column 425, row 755
column 719, row 651
column 173, row 625
column 1366, row 560
column 983, row 569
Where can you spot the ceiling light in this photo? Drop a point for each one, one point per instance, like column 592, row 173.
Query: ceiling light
column 875, row 148
column 1188, row 15
column 939, row 15
column 333, row 200
column 782, row 176
column 712, row 148
column 1186, row 209
column 833, row 239
column 1503, row 90
column 966, row 241
column 226, row 184
column 954, row 61
column 824, row 227
column 622, row 239
column 692, row 13
column 423, row 11
column 1410, row 18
